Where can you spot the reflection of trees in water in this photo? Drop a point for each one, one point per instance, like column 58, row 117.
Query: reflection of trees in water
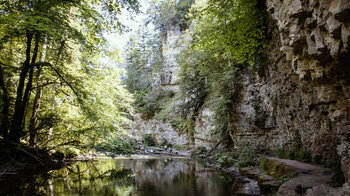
column 30, row 184
column 82, row 178
column 96, row 178
column 176, row 177
column 163, row 176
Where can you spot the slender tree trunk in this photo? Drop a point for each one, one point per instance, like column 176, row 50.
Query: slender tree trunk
column 60, row 51
column 5, row 108
column 30, row 79
column 16, row 124
column 36, row 109
column 36, row 106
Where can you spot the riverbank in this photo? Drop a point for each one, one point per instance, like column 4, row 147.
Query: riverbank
column 17, row 158
column 21, row 159
column 270, row 175
column 274, row 176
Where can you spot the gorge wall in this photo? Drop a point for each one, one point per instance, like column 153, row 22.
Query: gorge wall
column 168, row 80
column 301, row 99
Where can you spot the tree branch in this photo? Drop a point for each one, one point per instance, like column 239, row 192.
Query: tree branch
column 64, row 80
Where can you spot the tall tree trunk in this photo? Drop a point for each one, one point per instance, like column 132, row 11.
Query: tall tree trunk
column 36, row 109
column 36, row 106
column 5, row 108
column 30, row 79
column 16, row 124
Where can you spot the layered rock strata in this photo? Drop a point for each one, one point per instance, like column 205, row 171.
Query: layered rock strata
column 302, row 98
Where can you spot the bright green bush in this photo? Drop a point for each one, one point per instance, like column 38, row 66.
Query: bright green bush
column 116, row 147
column 224, row 160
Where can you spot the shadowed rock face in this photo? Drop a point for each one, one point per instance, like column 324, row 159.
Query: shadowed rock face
column 302, row 97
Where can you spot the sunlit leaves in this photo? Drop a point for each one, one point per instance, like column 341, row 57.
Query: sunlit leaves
column 80, row 98
column 235, row 27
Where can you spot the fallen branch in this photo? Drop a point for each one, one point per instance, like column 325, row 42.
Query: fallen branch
column 36, row 158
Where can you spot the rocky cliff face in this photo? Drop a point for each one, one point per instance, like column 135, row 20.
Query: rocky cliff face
column 168, row 80
column 302, row 98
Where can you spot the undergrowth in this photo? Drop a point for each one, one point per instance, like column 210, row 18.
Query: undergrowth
column 297, row 154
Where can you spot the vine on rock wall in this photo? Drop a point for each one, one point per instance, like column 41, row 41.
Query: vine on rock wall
column 225, row 37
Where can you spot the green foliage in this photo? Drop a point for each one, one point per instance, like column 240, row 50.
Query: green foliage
column 166, row 14
column 143, row 61
column 294, row 154
column 182, row 10
column 263, row 163
column 61, row 86
column 246, row 157
column 115, row 147
column 153, row 102
column 200, row 150
column 281, row 153
column 242, row 157
column 237, row 27
column 226, row 95
column 66, row 152
column 227, row 36
column 149, row 140
column 224, row 160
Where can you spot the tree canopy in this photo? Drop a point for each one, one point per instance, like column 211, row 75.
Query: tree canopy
column 53, row 88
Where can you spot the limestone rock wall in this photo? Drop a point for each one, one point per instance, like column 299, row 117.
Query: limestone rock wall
column 302, row 98
column 162, row 130
column 167, row 79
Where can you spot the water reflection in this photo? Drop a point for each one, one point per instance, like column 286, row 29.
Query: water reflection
column 138, row 176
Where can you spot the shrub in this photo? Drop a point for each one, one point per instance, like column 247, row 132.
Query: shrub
column 225, row 161
column 263, row 163
column 246, row 157
column 149, row 140
column 281, row 153
column 301, row 155
column 115, row 147
column 200, row 150
column 298, row 154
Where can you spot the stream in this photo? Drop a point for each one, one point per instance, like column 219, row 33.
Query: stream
column 136, row 175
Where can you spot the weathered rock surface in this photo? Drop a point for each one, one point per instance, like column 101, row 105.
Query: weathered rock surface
column 309, row 180
column 167, row 79
column 159, row 130
column 302, row 97
column 249, row 188
column 266, row 182
column 162, row 130
column 304, row 179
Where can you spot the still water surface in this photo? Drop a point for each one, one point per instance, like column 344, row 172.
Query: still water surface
column 144, row 176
